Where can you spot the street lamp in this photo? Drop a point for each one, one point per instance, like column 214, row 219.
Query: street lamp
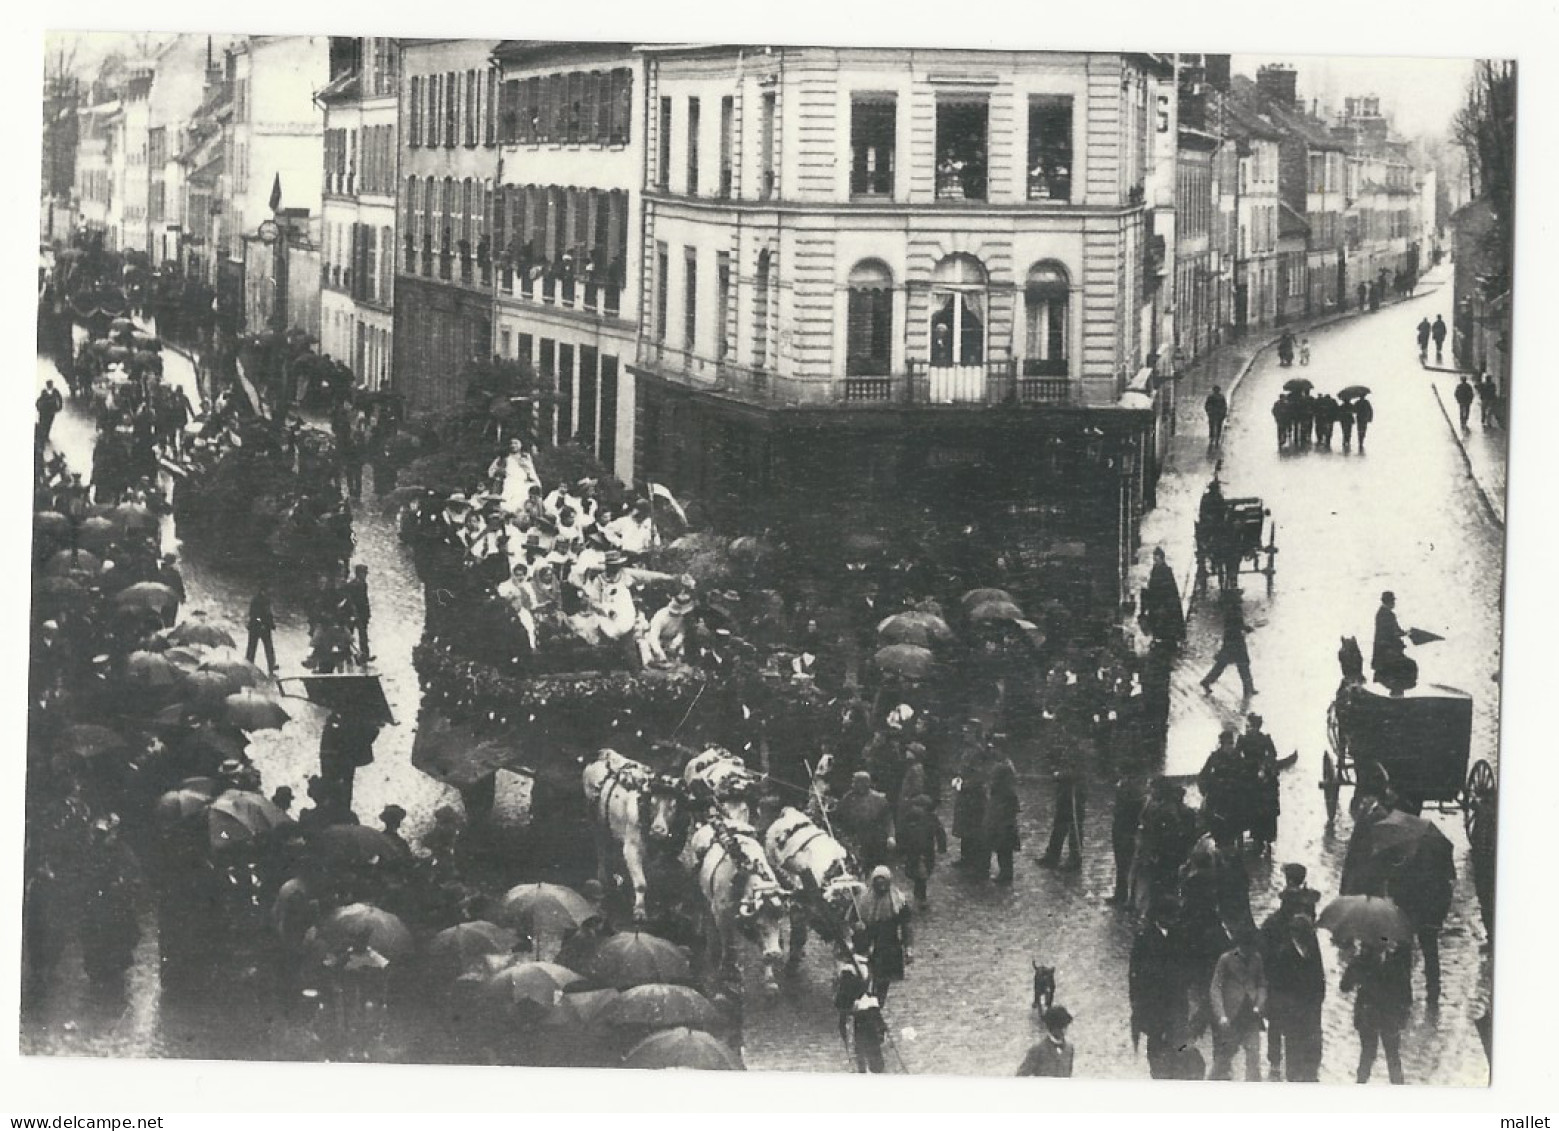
column 274, row 233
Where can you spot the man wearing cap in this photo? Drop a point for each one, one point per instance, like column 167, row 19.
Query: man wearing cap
column 1239, row 998
column 1053, row 1054
column 168, row 574
column 666, row 640
column 864, row 821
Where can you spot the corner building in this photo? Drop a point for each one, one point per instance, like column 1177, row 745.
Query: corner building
column 883, row 281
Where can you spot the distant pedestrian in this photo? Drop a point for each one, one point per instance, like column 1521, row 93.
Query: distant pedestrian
column 1239, row 1000
column 1363, row 291
column 1155, row 980
column 1125, row 822
column 1304, row 350
column 1424, row 330
column 860, row 1017
column 359, row 606
column 1053, row 1054
column 1381, row 976
column 1283, row 417
column 1464, row 394
column 1001, row 819
column 168, row 574
column 921, row 839
column 1222, row 783
column 1162, row 612
column 1488, row 397
column 1066, row 830
column 262, row 624
column 1438, row 332
column 864, row 820
column 886, row 933
column 1363, row 416
column 1345, row 422
column 49, row 404
column 972, row 786
column 1217, row 408
column 1232, row 650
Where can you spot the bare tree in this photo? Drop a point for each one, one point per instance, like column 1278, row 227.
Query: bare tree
column 1485, row 128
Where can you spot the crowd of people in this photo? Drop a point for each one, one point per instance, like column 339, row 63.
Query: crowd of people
column 1307, row 420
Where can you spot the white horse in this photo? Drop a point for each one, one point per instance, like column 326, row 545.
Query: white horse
column 743, row 894
column 633, row 808
column 819, row 870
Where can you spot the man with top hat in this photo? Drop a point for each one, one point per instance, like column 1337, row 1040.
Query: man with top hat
column 1053, row 1054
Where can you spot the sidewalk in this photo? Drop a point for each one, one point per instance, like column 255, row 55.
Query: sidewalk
column 1189, row 464
column 1485, row 451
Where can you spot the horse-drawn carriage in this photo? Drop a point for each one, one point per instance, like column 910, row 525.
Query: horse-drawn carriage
column 1233, row 537
column 1411, row 746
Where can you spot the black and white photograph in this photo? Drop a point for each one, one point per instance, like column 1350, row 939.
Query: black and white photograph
column 763, row 556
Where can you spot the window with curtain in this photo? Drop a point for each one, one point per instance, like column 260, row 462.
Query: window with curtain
column 1046, row 307
column 958, row 312
column 1050, row 147
column 873, row 136
column 962, row 154
column 869, row 321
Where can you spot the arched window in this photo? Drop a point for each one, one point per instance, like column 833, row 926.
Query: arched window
column 869, row 324
column 1047, row 309
column 958, row 312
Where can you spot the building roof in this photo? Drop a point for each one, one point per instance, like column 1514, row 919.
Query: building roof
column 1243, row 117
column 539, row 50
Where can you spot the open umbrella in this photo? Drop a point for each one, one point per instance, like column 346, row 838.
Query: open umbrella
column 1365, row 918
column 50, row 524
column 240, row 673
column 634, row 959
column 89, row 741
column 178, row 805
column 977, row 597
column 239, row 816
column 1299, row 384
column 580, row 1008
column 996, row 610
column 1423, row 636
column 249, row 710
column 682, row 1048
column 456, row 950
column 64, row 591
column 208, row 687
column 152, row 596
column 134, row 516
column 657, row 1005
column 907, row 661
column 96, row 534
column 539, row 907
column 68, row 562
column 218, row 746
column 1353, row 392
column 359, row 924
column 354, row 845
column 914, row 627
column 200, row 631
column 528, row 989
column 149, row 669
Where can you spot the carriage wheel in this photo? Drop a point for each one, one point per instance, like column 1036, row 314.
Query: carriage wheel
column 1480, row 793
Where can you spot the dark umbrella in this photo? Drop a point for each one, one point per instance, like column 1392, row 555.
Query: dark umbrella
column 201, row 632
column 1353, row 392
column 1298, row 384
column 96, row 534
column 178, row 805
column 914, row 627
column 354, row 845
column 89, row 741
column 456, row 950
column 239, row 816
column 907, row 661
column 249, row 710
column 62, row 589
column 682, row 1048
column 67, row 562
column 240, row 673
column 152, row 596
column 996, row 610
column 221, row 747
column 208, row 687
column 660, row 1006
column 635, row 958
column 149, row 669
column 359, row 924
column 133, row 516
column 528, row 989
column 50, row 524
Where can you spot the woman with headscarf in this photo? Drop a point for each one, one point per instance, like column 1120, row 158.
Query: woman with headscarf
column 886, row 935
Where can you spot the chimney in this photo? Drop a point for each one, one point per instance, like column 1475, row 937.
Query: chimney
column 1217, row 67
column 1278, row 84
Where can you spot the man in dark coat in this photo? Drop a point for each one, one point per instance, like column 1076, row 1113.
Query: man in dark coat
column 1296, row 987
column 972, row 787
column 1224, row 791
column 1217, row 408
column 1124, row 823
column 168, row 574
column 1465, row 395
column 1001, row 819
column 1382, row 976
column 1283, row 417
column 1258, row 763
column 864, row 820
column 1066, row 829
column 357, row 601
column 49, row 404
column 1363, row 416
column 1232, row 649
column 1344, row 414
column 1388, row 656
column 1438, row 332
column 262, row 624
column 1423, row 339
column 1157, row 989
column 921, row 839
column 1161, row 607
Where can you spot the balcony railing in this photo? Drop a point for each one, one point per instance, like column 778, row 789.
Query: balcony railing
column 993, row 383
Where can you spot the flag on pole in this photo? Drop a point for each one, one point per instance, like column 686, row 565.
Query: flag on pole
column 658, row 491
column 276, row 194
